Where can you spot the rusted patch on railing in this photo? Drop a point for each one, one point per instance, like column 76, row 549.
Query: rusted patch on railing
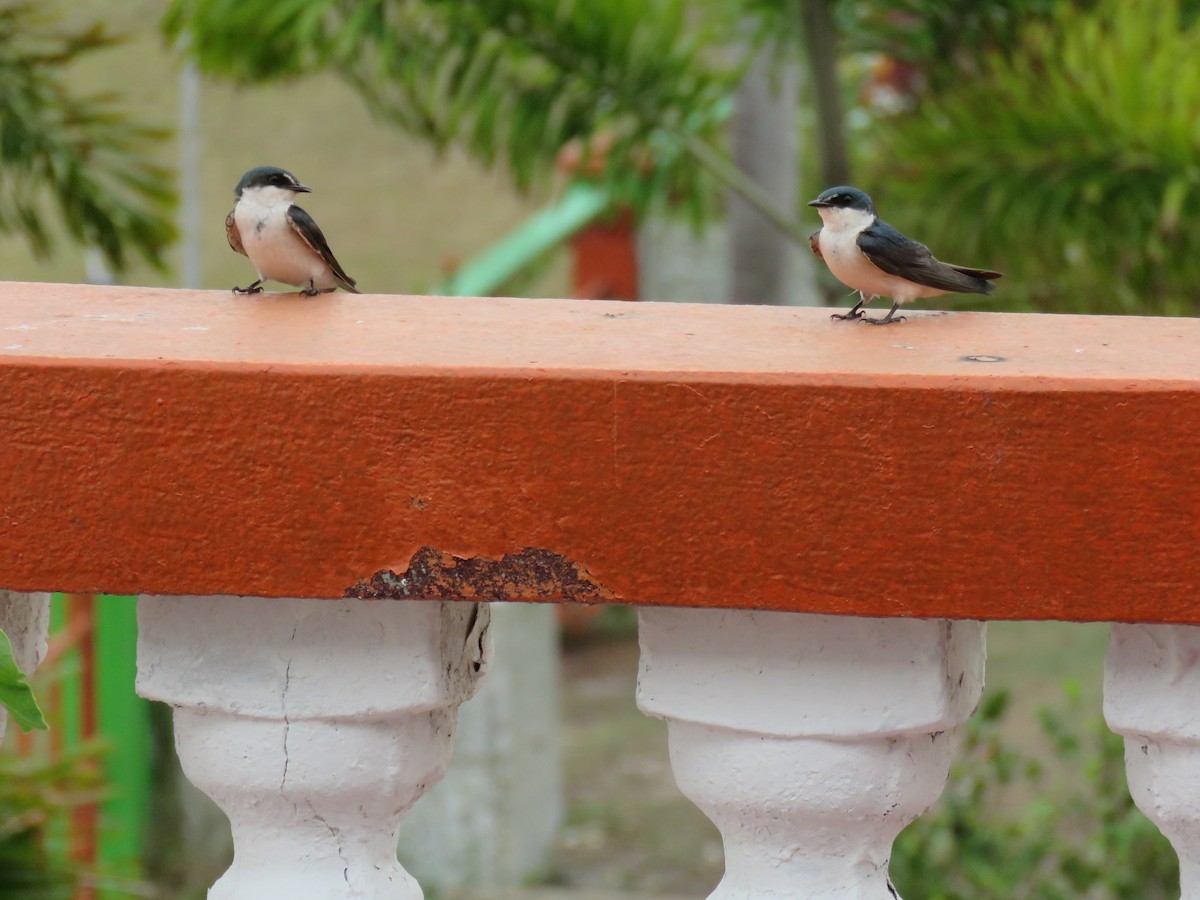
column 532, row 574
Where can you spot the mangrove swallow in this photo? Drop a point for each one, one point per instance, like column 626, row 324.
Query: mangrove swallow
column 870, row 256
column 280, row 238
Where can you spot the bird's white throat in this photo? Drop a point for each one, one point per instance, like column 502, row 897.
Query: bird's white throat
column 267, row 196
column 839, row 219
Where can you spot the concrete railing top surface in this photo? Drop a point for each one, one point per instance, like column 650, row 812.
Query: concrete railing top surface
column 964, row 465
column 88, row 324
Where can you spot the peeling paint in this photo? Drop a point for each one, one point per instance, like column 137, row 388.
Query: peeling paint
column 530, row 575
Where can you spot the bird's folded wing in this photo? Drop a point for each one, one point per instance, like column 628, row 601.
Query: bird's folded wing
column 306, row 227
column 898, row 255
column 233, row 235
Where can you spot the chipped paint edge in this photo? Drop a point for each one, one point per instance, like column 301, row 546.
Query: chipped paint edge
column 530, row 575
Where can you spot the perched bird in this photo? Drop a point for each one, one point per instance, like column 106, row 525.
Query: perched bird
column 280, row 238
column 870, row 256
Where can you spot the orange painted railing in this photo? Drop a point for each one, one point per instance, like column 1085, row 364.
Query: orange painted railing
column 958, row 465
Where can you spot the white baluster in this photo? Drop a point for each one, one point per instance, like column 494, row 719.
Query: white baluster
column 1151, row 686
column 314, row 724
column 25, row 618
column 810, row 741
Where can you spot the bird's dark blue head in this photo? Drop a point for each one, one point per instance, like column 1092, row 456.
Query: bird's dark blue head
column 844, row 197
column 270, row 176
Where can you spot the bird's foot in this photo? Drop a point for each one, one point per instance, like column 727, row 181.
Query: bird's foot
column 311, row 290
column 856, row 311
column 886, row 320
column 255, row 288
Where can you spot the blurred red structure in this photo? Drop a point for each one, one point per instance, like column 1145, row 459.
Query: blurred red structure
column 604, row 259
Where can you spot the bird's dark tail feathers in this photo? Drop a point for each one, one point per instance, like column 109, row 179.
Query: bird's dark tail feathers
column 985, row 276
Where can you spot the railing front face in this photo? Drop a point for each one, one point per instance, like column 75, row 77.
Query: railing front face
column 747, row 475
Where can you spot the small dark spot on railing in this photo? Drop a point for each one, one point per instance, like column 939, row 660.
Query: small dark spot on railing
column 987, row 359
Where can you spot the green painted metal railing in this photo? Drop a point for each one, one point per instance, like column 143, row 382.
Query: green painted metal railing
column 481, row 276
column 122, row 721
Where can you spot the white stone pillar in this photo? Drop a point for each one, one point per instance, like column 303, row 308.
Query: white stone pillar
column 810, row 741
column 25, row 618
column 314, row 725
column 1151, row 690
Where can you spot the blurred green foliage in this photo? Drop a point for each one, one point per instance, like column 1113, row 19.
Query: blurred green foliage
column 511, row 81
column 950, row 38
column 1054, row 140
column 78, row 156
column 1000, row 831
column 946, row 39
column 34, row 793
column 1071, row 162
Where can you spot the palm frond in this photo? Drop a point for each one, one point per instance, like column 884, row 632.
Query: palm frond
column 1071, row 163
column 944, row 38
column 78, row 155
column 512, row 81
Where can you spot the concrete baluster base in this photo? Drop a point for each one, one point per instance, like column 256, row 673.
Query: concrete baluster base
column 810, row 741
column 314, row 725
column 1151, row 686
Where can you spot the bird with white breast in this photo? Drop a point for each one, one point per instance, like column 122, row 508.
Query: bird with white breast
column 869, row 255
column 281, row 239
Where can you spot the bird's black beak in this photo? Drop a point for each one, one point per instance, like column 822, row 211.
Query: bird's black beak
column 819, row 203
column 301, row 189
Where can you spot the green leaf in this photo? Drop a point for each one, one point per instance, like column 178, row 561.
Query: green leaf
column 15, row 694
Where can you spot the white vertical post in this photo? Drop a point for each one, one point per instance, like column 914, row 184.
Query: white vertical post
column 810, row 741
column 190, row 146
column 314, row 725
column 765, row 264
column 1151, row 686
